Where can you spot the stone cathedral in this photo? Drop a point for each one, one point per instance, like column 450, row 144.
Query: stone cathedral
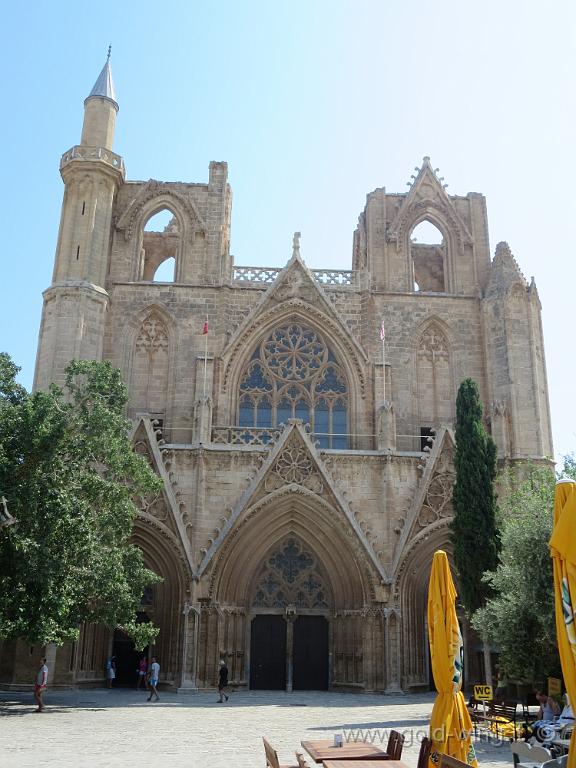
column 307, row 463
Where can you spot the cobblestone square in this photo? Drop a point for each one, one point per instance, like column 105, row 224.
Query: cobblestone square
column 119, row 727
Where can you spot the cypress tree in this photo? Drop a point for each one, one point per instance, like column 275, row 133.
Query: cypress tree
column 475, row 538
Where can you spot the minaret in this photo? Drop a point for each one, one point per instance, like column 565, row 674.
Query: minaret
column 75, row 305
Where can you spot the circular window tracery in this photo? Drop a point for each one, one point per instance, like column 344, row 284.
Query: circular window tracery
column 293, row 374
column 290, row 576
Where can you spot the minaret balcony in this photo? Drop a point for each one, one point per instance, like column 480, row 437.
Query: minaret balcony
column 93, row 154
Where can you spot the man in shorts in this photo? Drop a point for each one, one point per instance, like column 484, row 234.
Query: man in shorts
column 153, row 681
column 40, row 683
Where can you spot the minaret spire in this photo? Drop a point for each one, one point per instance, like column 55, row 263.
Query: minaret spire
column 104, row 85
column 100, row 110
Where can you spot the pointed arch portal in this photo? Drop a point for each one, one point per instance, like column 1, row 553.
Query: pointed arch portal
column 293, row 574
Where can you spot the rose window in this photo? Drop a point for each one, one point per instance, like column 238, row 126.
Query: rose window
column 294, row 375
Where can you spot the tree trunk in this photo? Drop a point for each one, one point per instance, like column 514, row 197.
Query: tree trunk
column 487, row 662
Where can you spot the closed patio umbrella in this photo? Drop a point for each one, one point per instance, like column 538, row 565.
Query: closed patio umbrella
column 563, row 552
column 450, row 724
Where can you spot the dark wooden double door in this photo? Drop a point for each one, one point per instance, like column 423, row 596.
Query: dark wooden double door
column 269, row 653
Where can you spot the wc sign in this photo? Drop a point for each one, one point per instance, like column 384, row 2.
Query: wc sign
column 483, row 692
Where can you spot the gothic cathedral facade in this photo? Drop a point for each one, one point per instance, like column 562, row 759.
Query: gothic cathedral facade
column 307, row 464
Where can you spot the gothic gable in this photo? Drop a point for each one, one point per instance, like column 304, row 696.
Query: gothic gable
column 428, row 199
column 295, row 293
column 432, row 502
column 294, row 466
column 165, row 511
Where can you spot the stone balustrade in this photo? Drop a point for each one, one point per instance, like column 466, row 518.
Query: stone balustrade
column 343, row 278
column 93, row 154
column 245, row 435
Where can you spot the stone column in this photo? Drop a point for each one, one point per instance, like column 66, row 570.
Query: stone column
column 202, row 422
column 189, row 661
column 290, row 618
column 386, row 427
column 393, row 661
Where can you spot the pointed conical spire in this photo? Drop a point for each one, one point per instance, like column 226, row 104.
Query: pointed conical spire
column 504, row 271
column 104, row 85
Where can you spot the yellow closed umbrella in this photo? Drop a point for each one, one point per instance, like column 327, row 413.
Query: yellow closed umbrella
column 563, row 552
column 450, row 724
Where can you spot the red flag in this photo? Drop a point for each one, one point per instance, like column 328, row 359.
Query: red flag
column 382, row 332
column 205, row 329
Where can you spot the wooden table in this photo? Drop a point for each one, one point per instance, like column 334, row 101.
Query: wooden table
column 364, row 764
column 324, row 749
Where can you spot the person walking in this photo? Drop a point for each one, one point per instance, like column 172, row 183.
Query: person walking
column 40, row 683
column 222, row 681
column 153, row 681
column 142, row 670
column 110, row 671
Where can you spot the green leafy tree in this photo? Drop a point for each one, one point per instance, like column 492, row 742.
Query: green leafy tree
column 519, row 616
column 475, row 538
column 69, row 474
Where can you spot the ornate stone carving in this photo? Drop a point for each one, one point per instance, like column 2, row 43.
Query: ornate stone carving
column 290, row 577
column 438, row 500
column 433, row 345
column 153, row 336
column 294, row 465
column 313, row 313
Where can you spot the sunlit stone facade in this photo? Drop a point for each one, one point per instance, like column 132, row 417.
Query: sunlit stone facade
column 307, row 470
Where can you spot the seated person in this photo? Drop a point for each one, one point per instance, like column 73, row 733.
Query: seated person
column 567, row 716
column 542, row 729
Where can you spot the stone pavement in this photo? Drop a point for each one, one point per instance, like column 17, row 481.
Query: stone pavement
column 119, row 728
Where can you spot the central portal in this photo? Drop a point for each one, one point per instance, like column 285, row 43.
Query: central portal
column 291, row 596
column 268, row 653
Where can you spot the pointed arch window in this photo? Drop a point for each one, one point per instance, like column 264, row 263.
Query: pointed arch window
column 428, row 257
column 434, row 380
column 160, row 247
column 293, row 374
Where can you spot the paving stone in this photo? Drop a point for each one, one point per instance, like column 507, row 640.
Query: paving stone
column 120, row 728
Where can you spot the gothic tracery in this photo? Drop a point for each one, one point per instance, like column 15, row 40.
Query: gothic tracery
column 290, row 576
column 293, row 374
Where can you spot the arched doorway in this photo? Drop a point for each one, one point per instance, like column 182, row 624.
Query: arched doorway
column 291, row 562
column 290, row 600
column 126, row 655
column 413, row 580
column 162, row 603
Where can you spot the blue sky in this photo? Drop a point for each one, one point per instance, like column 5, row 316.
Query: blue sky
column 313, row 104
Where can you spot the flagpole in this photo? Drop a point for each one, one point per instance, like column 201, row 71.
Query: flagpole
column 383, row 338
column 205, row 353
column 384, row 368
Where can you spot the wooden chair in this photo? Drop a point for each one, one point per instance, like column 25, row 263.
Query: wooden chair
column 395, row 745
column 451, row 762
column 272, row 756
column 424, row 755
column 302, row 760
